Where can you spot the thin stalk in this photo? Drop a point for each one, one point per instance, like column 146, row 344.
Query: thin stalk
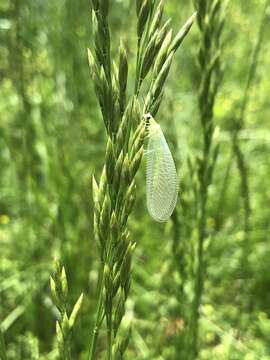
column 3, row 354
column 222, row 192
column 239, row 155
column 254, row 63
column 109, row 340
column 98, row 322
column 210, row 21
column 200, row 271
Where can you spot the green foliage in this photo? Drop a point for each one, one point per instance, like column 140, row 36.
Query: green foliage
column 194, row 287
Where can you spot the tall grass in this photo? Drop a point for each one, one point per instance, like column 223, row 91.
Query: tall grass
column 149, row 300
column 190, row 235
column 211, row 17
column 242, row 163
column 115, row 193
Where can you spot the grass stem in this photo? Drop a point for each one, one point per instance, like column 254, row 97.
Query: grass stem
column 98, row 322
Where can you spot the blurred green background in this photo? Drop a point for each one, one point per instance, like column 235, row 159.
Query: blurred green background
column 52, row 140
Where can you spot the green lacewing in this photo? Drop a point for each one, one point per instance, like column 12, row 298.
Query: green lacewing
column 161, row 175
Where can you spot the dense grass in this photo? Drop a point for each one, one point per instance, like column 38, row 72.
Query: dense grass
column 197, row 285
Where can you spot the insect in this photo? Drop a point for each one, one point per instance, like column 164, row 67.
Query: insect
column 161, row 175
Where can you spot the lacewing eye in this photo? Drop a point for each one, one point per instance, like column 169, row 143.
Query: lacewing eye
column 161, row 175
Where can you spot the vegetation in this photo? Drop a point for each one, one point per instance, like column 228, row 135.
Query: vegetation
column 85, row 272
